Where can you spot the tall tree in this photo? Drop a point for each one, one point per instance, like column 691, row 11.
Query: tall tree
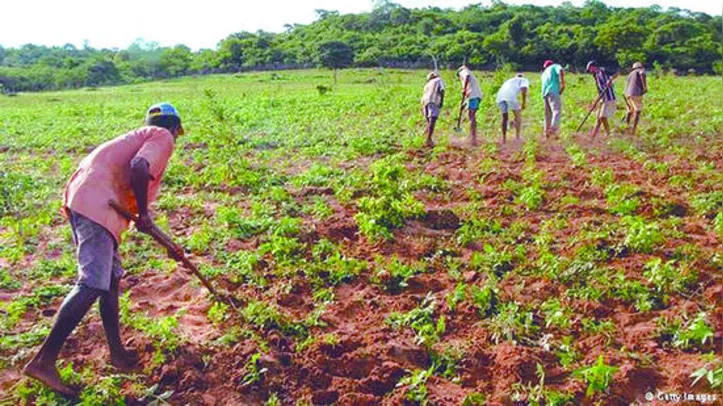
column 335, row 55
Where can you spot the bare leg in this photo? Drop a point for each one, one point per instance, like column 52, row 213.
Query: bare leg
column 71, row 312
column 596, row 129
column 473, row 127
column 109, row 313
column 606, row 125
column 628, row 116
column 635, row 123
column 432, row 124
column 518, row 123
column 505, row 117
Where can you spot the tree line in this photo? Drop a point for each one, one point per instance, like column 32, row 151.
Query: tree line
column 391, row 35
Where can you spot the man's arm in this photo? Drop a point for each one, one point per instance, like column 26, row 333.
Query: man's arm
column 645, row 82
column 441, row 98
column 464, row 90
column 140, row 177
column 524, row 97
column 610, row 80
column 562, row 81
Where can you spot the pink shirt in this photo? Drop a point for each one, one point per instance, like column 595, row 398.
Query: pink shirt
column 105, row 175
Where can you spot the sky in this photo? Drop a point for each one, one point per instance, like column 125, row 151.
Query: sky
column 202, row 24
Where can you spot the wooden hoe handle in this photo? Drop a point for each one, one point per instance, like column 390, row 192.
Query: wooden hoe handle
column 166, row 241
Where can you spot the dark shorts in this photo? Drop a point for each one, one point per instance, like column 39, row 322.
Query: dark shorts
column 473, row 103
column 97, row 254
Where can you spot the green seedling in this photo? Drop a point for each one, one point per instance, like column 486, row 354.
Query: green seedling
column 598, row 376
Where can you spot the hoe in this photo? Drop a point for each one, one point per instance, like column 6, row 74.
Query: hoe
column 458, row 128
column 597, row 100
column 166, row 241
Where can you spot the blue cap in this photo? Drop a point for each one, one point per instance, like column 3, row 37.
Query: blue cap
column 163, row 109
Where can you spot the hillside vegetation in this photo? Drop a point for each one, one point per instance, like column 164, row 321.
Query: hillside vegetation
column 391, row 35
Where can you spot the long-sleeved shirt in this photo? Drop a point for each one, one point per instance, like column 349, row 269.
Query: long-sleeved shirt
column 601, row 80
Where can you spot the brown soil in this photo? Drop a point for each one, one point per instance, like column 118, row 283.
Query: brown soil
column 366, row 358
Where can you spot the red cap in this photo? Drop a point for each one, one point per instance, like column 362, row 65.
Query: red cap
column 547, row 63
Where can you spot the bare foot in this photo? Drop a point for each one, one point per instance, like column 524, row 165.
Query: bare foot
column 50, row 377
column 430, row 144
column 125, row 360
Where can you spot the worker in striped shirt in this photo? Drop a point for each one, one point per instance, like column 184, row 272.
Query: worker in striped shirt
column 604, row 83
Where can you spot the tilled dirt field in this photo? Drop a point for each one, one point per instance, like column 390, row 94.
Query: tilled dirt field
column 366, row 357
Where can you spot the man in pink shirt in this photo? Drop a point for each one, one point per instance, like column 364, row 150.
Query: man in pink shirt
column 127, row 169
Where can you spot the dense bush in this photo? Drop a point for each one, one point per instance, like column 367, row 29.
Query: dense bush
column 392, row 35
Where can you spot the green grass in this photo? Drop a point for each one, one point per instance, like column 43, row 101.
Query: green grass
column 290, row 194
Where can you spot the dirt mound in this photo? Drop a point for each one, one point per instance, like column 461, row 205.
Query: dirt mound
column 325, row 342
column 512, row 364
column 633, row 382
column 441, row 219
column 340, row 227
